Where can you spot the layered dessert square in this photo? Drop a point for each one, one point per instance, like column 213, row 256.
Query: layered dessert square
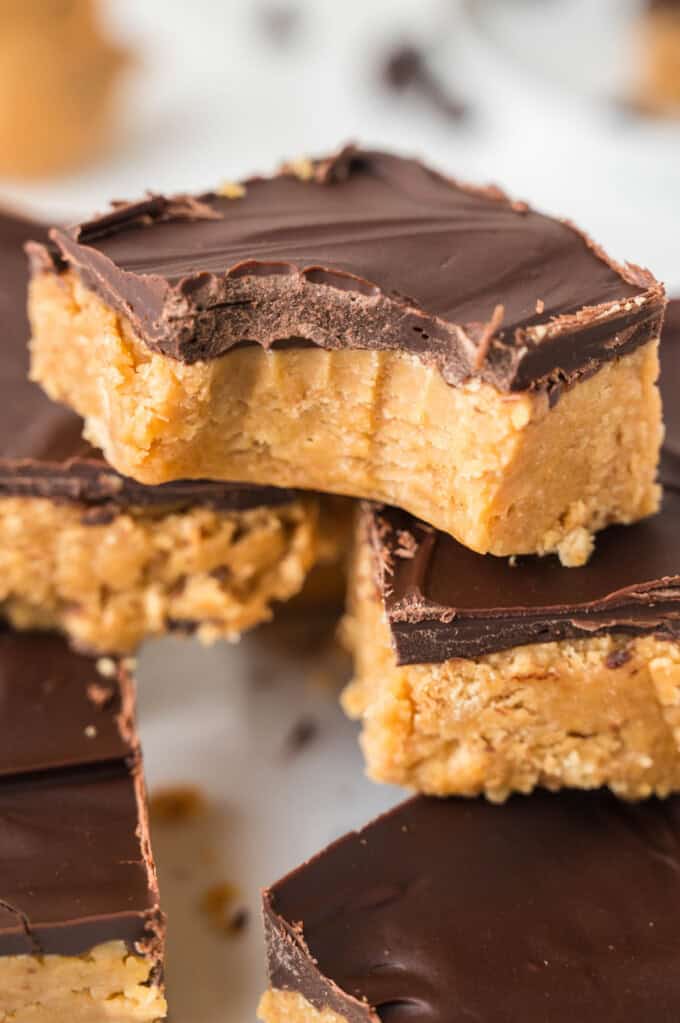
column 111, row 561
column 554, row 908
column 81, row 932
column 363, row 325
column 477, row 674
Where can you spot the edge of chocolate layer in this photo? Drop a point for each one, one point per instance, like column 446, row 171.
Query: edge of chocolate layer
column 444, row 601
column 76, row 867
column 319, row 252
column 42, row 453
column 60, row 709
column 448, row 909
column 84, row 827
column 91, row 481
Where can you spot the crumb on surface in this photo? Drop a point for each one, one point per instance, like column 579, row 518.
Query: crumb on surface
column 107, row 667
column 302, row 734
column 100, row 695
column 176, row 804
column 617, row 658
column 217, row 905
column 407, row 544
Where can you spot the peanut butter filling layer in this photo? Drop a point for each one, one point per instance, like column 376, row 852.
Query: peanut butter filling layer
column 290, row 1007
column 145, row 572
column 107, row 985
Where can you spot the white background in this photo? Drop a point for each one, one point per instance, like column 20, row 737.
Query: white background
column 213, row 98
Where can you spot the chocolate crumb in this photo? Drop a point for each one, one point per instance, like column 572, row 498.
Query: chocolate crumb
column 488, row 334
column 100, row 695
column 216, row 903
column 177, row 804
column 408, row 67
column 100, row 515
column 407, row 545
column 618, row 658
column 278, row 22
column 303, row 732
column 238, row 921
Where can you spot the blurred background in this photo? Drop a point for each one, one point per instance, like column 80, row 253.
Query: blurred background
column 567, row 103
column 570, row 104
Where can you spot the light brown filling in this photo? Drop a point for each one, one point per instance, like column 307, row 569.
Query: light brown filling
column 546, row 714
column 290, row 1007
column 108, row 985
column 112, row 585
column 505, row 474
column 659, row 48
column 57, row 75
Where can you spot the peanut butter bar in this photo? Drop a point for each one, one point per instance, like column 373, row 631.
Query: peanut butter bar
column 81, row 932
column 475, row 674
column 659, row 46
column 365, row 326
column 551, row 909
column 111, row 561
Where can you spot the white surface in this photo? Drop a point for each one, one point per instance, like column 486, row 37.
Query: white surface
column 220, row 718
column 213, row 99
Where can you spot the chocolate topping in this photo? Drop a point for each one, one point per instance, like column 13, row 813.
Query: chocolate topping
column 75, row 863
column 42, row 453
column 368, row 250
column 73, row 870
column 446, row 601
column 556, row 908
column 442, row 600
column 48, row 716
column 669, row 382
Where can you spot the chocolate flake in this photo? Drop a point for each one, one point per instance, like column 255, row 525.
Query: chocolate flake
column 302, row 734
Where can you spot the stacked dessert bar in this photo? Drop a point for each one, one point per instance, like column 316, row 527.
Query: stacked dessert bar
column 93, row 554
column 484, row 379
column 110, row 561
column 81, row 932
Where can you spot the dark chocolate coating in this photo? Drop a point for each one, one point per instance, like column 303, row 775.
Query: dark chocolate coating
column 48, row 707
column 42, row 453
column 75, row 864
column 443, row 600
column 374, row 252
column 73, row 869
column 669, row 382
column 446, row 601
column 551, row 908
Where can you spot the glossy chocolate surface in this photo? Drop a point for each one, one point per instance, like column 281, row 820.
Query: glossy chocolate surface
column 368, row 250
column 75, row 862
column 57, row 709
column 73, row 870
column 552, row 907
